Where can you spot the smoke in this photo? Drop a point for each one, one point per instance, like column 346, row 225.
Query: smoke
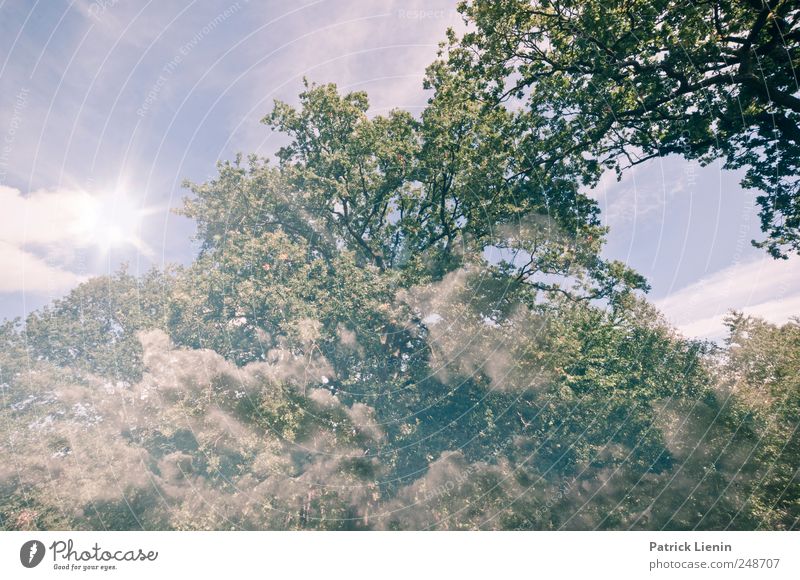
column 199, row 443
column 476, row 328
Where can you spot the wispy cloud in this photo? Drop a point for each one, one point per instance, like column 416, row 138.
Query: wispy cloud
column 378, row 47
column 763, row 287
column 46, row 235
column 26, row 271
column 37, row 233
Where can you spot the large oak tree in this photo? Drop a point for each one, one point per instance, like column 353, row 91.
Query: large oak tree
column 613, row 83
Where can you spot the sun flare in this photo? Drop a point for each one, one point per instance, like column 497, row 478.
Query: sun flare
column 110, row 221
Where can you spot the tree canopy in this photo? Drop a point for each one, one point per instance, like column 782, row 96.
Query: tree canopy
column 611, row 84
column 408, row 323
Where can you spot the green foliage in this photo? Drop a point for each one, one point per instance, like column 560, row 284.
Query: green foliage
column 761, row 367
column 406, row 324
column 94, row 327
column 600, row 84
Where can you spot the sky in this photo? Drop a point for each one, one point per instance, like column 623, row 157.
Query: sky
column 107, row 106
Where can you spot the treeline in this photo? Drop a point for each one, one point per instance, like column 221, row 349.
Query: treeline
column 366, row 411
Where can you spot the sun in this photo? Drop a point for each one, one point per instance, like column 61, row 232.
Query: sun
column 111, row 220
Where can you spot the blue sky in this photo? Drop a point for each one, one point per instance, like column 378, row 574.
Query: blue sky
column 107, row 106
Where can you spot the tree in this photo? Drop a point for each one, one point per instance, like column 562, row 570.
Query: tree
column 517, row 368
column 95, row 326
column 599, row 84
column 398, row 326
column 423, row 197
column 761, row 368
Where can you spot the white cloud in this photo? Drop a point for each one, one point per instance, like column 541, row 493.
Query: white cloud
column 765, row 287
column 41, row 233
column 25, row 271
column 43, row 217
column 50, row 222
column 644, row 191
column 375, row 46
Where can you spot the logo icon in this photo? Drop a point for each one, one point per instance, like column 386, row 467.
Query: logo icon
column 31, row 553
